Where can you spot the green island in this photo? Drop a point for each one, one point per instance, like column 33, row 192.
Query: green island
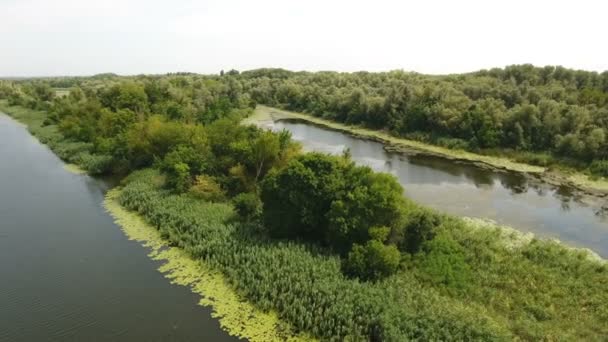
column 291, row 245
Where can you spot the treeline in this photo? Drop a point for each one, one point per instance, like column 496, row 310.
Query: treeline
column 542, row 113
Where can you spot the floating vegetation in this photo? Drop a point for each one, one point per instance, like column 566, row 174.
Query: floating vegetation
column 236, row 316
column 73, row 168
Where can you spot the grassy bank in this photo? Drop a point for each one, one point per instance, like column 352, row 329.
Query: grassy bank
column 78, row 155
column 236, row 316
column 577, row 179
column 494, row 284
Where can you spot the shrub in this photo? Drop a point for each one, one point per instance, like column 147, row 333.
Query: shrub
column 178, row 177
column 207, row 189
column 444, row 262
column 599, row 168
column 421, row 226
column 247, row 205
column 374, row 260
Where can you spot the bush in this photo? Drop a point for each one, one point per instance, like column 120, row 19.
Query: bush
column 540, row 159
column 444, row 262
column 421, row 226
column 373, row 261
column 95, row 164
column 207, row 189
column 247, row 205
column 599, row 168
column 178, row 177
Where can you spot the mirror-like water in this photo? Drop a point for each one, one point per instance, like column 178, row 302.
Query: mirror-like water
column 67, row 272
column 466, row 190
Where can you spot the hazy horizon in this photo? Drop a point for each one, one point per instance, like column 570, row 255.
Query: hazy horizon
column 80, row 38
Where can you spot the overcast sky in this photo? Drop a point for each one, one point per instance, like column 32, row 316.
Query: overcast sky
column 82, row 37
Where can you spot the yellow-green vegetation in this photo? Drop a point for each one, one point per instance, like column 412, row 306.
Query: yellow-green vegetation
column 264, row 115
column 73, row 168
column 237, row 316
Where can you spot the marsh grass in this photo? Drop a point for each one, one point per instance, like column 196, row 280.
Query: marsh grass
column 237, row 317
column 510, row 285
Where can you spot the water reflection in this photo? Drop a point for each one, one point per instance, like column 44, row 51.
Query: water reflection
column 467, row 190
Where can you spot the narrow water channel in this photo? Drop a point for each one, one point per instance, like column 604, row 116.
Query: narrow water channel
column 465, row 190
column 67, row 272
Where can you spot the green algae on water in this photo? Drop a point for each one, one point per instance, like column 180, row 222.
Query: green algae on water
column 75, row 169
column 236, row 316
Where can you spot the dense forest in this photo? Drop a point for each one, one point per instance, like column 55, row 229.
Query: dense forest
column 335, row 248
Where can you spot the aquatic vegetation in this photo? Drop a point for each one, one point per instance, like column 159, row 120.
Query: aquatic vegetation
column 303, row 285
column 73, row 168
column 237, row 317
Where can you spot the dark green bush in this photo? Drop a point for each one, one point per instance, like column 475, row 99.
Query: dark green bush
column 599, row 168
column 371, row 261
column 443, row 262
column 247, row 205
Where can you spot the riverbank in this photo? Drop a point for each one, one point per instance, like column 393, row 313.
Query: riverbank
column 237, row 316
column 578, row 181
column 79, row 156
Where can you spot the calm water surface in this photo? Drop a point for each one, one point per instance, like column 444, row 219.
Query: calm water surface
column 67, row 272
column 465, row 190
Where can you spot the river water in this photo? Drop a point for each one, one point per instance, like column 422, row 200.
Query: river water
column 465, row 190
column 67, row 272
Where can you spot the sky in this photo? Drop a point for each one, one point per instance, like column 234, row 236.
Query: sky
column 82, row 37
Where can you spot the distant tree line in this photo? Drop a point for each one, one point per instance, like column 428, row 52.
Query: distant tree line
column 548, row 112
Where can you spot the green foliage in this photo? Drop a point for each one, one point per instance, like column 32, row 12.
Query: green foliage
column 458, row 282
column 178, row 177
column 372, row 261
column 247, row 205
column 444, row 262
column 421, row 226
column 552, row 110
column 207, row 189
column 330, row 200
column 599, row 168
column 305, row 287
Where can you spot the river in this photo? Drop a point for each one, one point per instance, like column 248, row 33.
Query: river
column 465, row 190
column 67, row 272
